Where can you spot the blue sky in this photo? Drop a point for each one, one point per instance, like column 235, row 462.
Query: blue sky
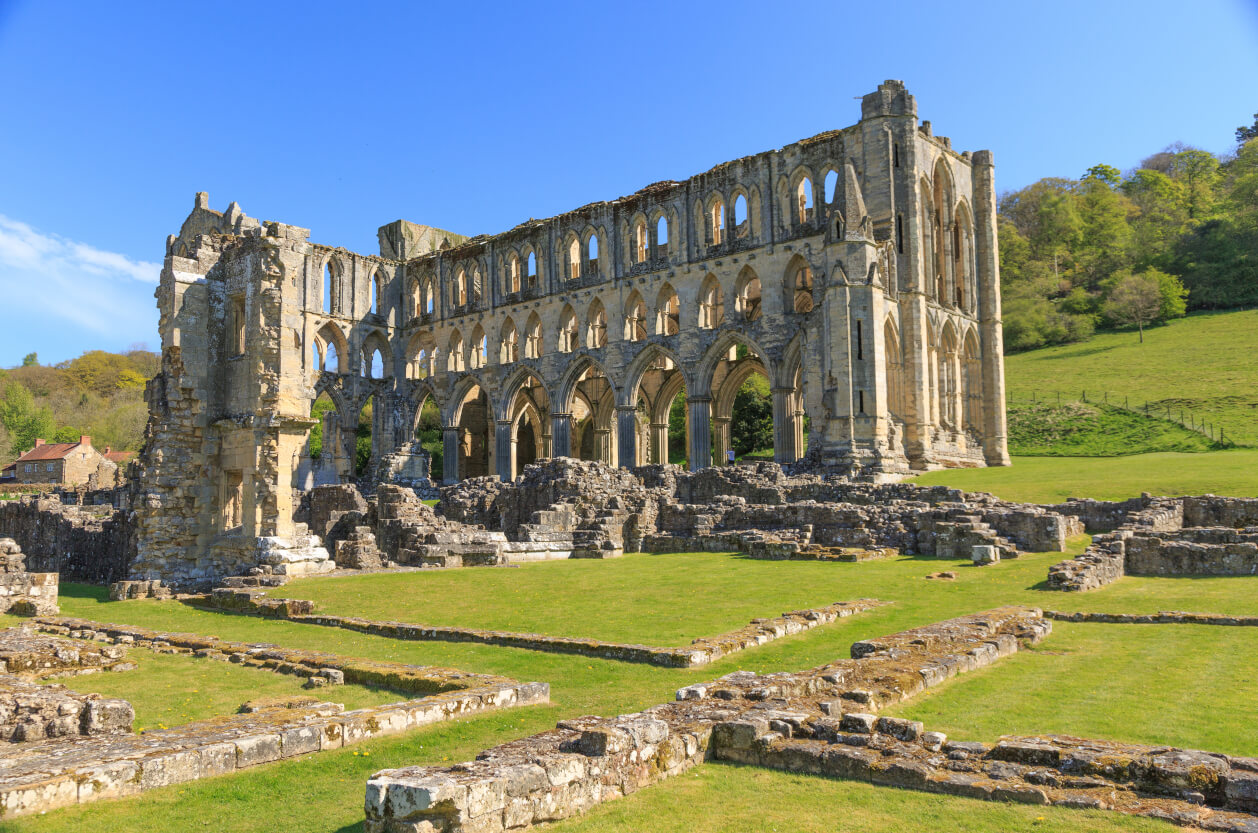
column 475, row 117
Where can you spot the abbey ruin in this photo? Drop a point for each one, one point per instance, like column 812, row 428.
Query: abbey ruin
column 856, row 270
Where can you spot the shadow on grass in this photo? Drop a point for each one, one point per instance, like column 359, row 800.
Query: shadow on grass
column 75, row 590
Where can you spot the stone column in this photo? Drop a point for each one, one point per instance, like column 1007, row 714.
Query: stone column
column 602, row 445
column 987, row 258
column 785, row 449
column 797, row 403
column 659, row 442
column 450, row 455
column 700, row 431
column 504, row 448
column 627, row 437
column 720, row 439
column 561, row 434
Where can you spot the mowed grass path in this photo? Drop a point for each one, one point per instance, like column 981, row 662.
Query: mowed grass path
column 323, row 793
column 1204, row 363
column 1053, row 479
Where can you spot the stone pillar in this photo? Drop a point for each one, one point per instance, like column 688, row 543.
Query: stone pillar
column 785, row 435
column 561, row 434
column 659, row 442
column 627, row 437
column 987, row 257
column 504, row 448
column 700, row 423
column 797, row 402
column 450, row 455
column 603, row 445
column 720, row 439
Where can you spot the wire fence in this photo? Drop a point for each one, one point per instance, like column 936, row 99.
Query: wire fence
column 1155, row 410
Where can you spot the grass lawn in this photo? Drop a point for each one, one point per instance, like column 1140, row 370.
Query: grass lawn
column 171, row 689
column 323, row 793
column 1053, row 479
column 1189, row 685
column 725, row 798
column 1203, row 363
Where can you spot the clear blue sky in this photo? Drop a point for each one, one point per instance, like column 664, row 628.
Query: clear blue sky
column 475, row 117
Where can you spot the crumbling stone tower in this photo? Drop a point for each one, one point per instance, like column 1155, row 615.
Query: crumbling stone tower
column 856, row 271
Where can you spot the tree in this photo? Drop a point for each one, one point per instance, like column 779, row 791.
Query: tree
column 1108, row 174
column 30, row 360
column 751, row 419
column 1136, row 300
column 1244, row 134
column 24, row 421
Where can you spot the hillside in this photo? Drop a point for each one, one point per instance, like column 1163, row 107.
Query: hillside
column 99, row 394
column 1203, row 364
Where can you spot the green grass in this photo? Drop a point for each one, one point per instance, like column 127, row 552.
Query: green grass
column 1053, row 479
column 1188, row 683
column 1078, row 429
column 170, row 689
column 1203, row 363
column 723, row 798
column 323, row 793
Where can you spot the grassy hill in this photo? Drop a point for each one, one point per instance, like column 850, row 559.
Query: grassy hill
column 1204, row 364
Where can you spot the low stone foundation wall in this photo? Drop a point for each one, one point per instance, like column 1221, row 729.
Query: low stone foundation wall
column 1164, row 556
column 1206, row 790
column 701, row 651
column 584, row 762
column 36, row 655
column 1163, row 617
column 59, row 772
column 31, row 712
column 1100, row 564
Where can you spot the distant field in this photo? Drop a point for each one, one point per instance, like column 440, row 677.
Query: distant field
column 1086, row 429
column 1053, row 479
column 1204, row 363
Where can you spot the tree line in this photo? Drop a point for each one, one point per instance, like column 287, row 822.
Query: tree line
column 1177, row 233
column 99, row 394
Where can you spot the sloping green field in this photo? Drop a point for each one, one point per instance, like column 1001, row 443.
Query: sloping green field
column 1204, row 364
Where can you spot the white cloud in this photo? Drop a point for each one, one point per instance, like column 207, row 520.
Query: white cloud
column 59, row 291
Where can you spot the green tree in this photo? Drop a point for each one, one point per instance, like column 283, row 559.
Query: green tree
column 1108, row 174
column 1244, row 134
column 30, row 360
column 751, row 420
column 1198, row 170
column 1136, row 300
column 24, row 421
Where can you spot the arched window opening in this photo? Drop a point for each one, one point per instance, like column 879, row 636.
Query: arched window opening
column 591, row 249
column 635, row 319
column 375, row 295
column 832, row 184
column 422, row 366
column 574, row 259
column 510, row 349
column 596, row 329
column 717, row 219
column 711, row 304
column 533, row 338
column 802, row 285
column 567, row 331
column 749, row 292
column 478, row 355
column 895, row 154
column 972, row 382
column 331, row 362
column 513, row 273
column 375, row 367
column 803, row 201
column 899, row 233
column 661, row 237
column 454, row 356
column 328, row 286
column 531, row 272
column 460, row 287
column 742, row 222
column 477, row 286
column 668, row 312
column 639, row 242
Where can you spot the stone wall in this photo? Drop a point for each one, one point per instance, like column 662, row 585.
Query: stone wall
column 92, row 544
column 1159, row 556
column 24, row 593
column 32, row 712
column 587, row 761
